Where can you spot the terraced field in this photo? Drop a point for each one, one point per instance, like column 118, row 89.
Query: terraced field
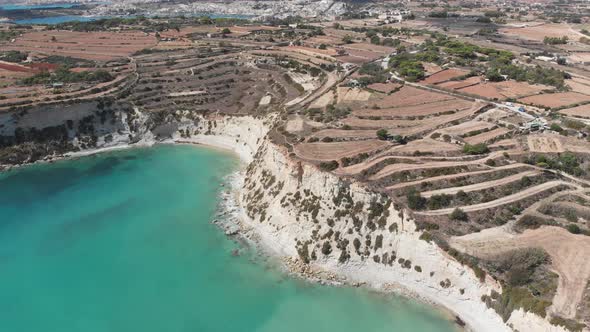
column 211, row 79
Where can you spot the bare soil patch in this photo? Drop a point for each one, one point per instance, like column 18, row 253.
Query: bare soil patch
column 86, row 45
column 582, row 111
column 504, row 90
column 466, row 127
column 408, row 96
column 336, row 150
column 544, row 144
column 445, row 75
column 352, row 94
column 384, row 87
column 554, row 100
column 345, row 134
column 456, row 85
column 487, row 136
column 425, row 109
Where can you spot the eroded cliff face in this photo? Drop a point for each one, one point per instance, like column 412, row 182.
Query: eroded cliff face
column 339, row 226
column 314, row 218
column 336, row 225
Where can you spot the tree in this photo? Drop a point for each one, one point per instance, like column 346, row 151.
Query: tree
column 459, row 215
column 480, row 148
column 375, row 40
column 326, row 248
column 347, row 39
column 415, row 200
column 225, row 31
column 574, row 229
column 556, row 127
column 382, row 134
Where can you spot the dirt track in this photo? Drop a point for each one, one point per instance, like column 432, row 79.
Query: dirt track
column 567, row 251
column 481, row 185
column 500, row 201
column 452, row 176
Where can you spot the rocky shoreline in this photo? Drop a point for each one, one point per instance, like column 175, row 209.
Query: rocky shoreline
column 436, row 279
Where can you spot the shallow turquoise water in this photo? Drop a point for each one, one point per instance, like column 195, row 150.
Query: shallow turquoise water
column 71, row 18
column 58, row 19
column 36, row 7
column 123, row 242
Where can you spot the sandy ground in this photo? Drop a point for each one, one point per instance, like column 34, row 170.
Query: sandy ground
column 568, row 253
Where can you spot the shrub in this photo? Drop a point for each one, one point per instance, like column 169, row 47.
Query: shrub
column 415, row 200
column 480, row 148
column 574, row 229
column 556, row 127
column 382, row 134
column 326, row 248
column 426, row 236
column 569, row 324
column 459, row 215
column 329, row 166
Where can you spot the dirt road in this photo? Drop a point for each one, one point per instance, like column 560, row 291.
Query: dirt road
column 500, row 201
column 481, row 185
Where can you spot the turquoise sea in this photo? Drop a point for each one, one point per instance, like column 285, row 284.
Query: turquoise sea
column 123, row 241
column 50, row 20
column 37, row 7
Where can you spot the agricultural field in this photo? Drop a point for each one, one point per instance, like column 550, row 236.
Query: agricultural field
column 503, row 90
column 556, row 100
column 476, row 144
column 97, row 46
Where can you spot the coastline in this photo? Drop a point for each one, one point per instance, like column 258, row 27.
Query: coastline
column 232, row 136
column 238, row 223
column 233, row 220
